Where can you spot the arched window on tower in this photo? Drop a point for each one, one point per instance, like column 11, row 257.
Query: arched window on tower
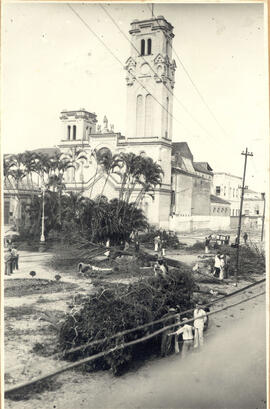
column 139, row 116
column 142, row 47
column 74, row 132
column 167, row 117
column 68, row 133
column 149, row 46
column 148, row 115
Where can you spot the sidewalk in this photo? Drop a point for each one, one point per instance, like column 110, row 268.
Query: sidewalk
column 34, row 261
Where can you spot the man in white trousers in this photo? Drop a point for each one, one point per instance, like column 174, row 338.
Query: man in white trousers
column 200, row 319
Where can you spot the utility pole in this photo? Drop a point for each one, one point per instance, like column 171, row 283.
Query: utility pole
column 42, row 237
column 263, row 197
column 246, row 154
column 152, row 6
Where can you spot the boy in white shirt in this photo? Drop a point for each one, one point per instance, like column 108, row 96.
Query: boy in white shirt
column 187, row 331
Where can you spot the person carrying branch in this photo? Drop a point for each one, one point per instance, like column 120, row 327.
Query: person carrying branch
column 187, row 335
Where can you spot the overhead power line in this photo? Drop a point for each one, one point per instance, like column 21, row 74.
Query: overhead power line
column 123, row 66
column 117, row 347
column 155, row 73
column 195, row 86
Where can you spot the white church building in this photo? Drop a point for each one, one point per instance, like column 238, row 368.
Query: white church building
column 183, row 201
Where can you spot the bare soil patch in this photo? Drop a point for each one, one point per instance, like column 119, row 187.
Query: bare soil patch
column 21, row 287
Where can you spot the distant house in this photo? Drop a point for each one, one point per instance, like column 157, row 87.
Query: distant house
column 220, row 207
column 253, row 208
column 228, row 187
column 16, row 199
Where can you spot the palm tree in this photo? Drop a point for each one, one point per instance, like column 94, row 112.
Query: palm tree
column 59, row 165
column 74, row 205
column 111, row 164
column 151, row 177
column 43, row 167
column 30, row 161
column 73, row 159
column 131, row 172
column 8, row 165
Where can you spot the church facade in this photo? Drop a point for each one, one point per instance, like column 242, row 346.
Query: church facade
column 183, row 201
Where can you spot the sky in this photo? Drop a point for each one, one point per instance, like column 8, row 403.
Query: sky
column 52, row 62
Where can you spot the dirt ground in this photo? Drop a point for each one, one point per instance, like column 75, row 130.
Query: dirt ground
column 229, row 373
column 236, row 340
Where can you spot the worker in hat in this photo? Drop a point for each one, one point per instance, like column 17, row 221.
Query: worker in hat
column 166, row 341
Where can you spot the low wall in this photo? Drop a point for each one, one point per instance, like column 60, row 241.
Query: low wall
column 192, row 223
column 251, row 222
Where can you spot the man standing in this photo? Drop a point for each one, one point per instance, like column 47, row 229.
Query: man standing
column 207, row 243
column 227, row 265
column 8, row 263
column 163, row 247
column 222, row 267
column 200, row 319
column 157, row 243
column 187, row 331
column 217, row 265
column 245, row 237
column 166, row 340
column 15, row 257
column 137, row 245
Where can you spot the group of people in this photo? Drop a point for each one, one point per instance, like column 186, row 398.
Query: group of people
column 11, row 259
column 190, row 330
column 221, row 265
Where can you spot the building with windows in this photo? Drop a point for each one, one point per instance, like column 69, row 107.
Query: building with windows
column 253, row 209
column 228, row 187
column 185, row 190
column 220, row 212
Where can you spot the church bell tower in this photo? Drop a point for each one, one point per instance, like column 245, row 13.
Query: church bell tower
column 150, row 80
column 150, row 73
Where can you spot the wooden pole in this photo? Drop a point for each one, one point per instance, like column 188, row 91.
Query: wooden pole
column 246, row 154
column 263, row 196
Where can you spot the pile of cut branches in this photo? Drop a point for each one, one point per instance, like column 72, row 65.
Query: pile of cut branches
column 251, row 260
column 170, row 238
column 116, row 308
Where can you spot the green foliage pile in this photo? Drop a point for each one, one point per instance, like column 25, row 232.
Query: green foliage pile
column 67, row 257
column 251, row 259
column 170, row 238
column 119, row 307
column 198, row 246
